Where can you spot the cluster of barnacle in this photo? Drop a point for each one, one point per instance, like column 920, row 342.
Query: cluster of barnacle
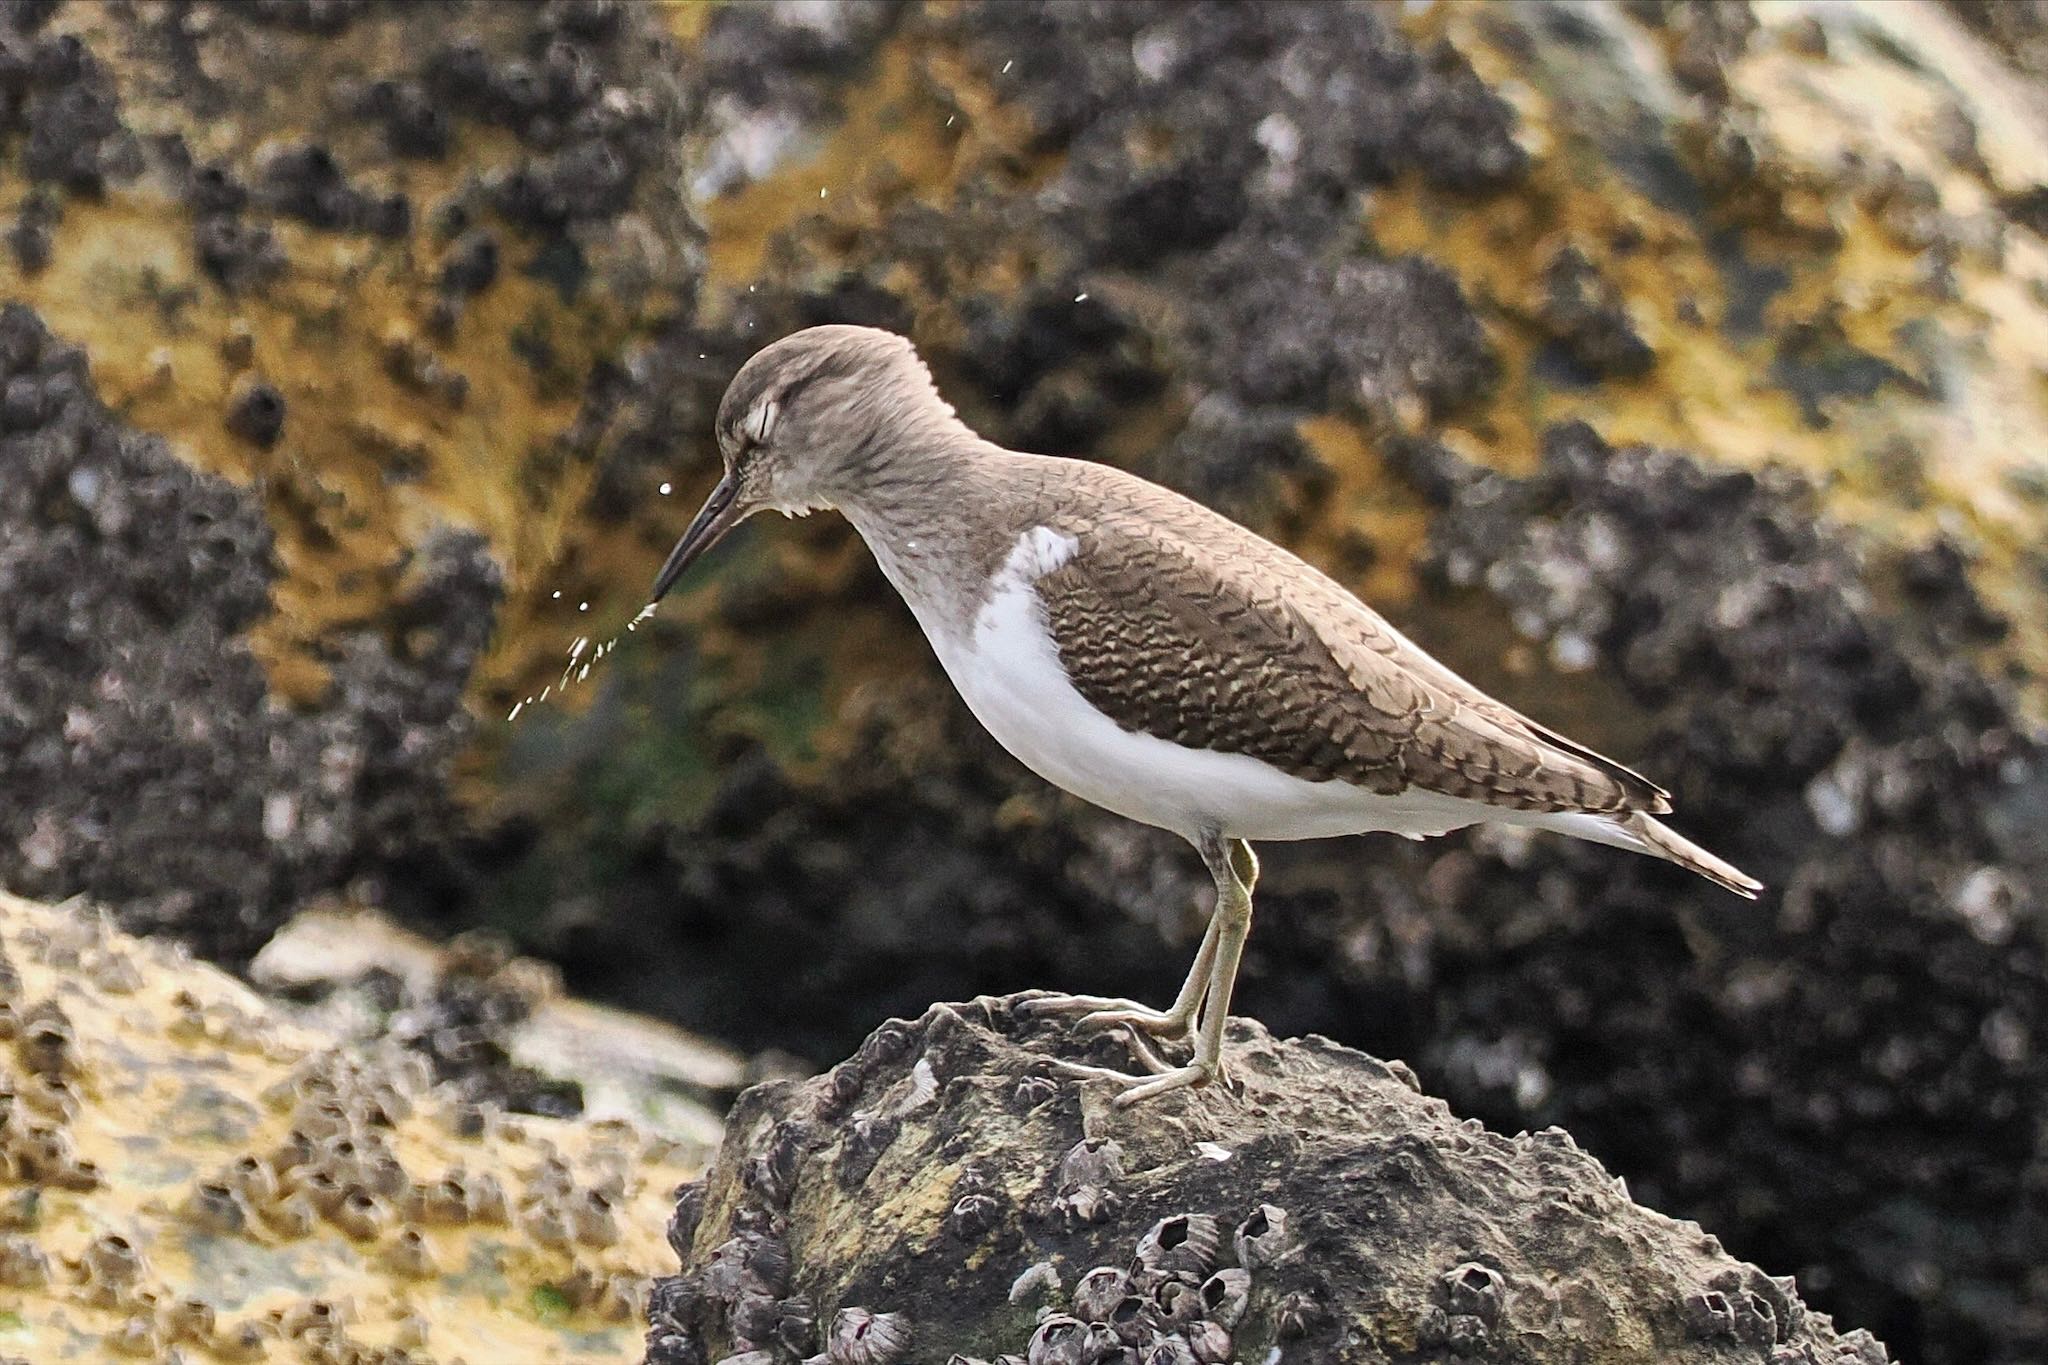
column 743, row 1283
column 1464, row 1317
column 341, row 1154
column 38, row 1104
column 741, row 1286
column 335, row 1164
column 1763, row 1312
column 35, row 1109
column 1174, row 1303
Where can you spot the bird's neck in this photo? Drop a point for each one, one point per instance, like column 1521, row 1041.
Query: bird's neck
column 933, row 514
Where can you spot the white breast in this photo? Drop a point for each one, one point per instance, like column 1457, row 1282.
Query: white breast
column 1008, row 670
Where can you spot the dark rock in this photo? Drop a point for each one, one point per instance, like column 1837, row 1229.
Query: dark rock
column 593, row 117
column 1834, row 739
column 66, row 131
column 1587, row 316
column 1372, row 1180
column 1406, row 335
column 414, row 125
column 66, row 103
column 149, row 767
column 326, row 18
column 304, row 181
column 471, row 264
column 1252, row 465
column 213, row 188
column 29, row 238
column 1240, row 88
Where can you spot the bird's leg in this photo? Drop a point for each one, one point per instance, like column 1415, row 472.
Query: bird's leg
column 1177, row 1018
column 1101, row 1011
column 1235, row 869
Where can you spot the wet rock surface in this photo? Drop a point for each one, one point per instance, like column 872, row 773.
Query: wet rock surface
column 940, row 1195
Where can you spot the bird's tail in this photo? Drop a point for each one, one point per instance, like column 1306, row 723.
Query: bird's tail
column 1643, row 834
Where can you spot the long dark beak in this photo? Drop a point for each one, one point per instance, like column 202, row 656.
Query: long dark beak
column 719, row 514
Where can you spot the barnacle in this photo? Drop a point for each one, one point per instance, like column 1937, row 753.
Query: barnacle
column 1183, row 1242
column 1039, row 1280
column 321, row 1160
column 1209, row 1342
column 1224, row 1295
column 1098, row 1291
column 361, row 1214
column 217, row 1208
column 859, row 1337
column 410, row 1255
column 1263, row 1238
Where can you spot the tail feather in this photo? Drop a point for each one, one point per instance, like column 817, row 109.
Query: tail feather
column 1642, row 834
column 1665, row 842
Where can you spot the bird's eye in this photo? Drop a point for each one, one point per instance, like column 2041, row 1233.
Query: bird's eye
column 760, row 421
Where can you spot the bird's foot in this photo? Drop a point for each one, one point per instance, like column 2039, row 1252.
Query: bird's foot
column 1157, row 1079
column 1098, row 1012
column 1050, row 1004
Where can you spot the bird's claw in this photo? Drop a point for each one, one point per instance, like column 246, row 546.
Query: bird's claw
column 1158, row 1023
column 1138, row 1088
column 1100, row 1012
column 1054, row 1005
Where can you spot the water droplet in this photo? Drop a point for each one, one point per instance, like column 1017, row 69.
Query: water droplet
column 585, row 606
column 515, row 712
column 1007, row 65
column 667, row 489
column 1081, row 297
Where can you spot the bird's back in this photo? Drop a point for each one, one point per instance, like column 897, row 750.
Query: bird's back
column 1177, row 622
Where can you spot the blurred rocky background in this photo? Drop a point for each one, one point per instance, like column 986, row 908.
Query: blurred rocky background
column 1675, row 370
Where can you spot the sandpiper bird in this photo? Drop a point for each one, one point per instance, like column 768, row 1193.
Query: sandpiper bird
column 1149, row 655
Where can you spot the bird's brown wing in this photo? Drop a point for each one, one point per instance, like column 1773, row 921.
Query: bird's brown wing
column 1217, row 639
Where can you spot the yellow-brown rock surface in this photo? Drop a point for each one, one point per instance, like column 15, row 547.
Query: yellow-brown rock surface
column 188, row 1174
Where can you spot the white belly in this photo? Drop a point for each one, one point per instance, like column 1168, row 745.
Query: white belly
column 1009, row 673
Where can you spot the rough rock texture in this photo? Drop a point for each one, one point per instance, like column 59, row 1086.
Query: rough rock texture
column 187, row 1174
column 149, row 765
column 1850, row 752
column 939, row 1194
column 497, row 1029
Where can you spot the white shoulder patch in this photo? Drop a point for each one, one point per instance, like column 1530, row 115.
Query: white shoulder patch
column 1038, row 552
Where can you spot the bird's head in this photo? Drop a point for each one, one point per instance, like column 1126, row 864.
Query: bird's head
column 804, row 424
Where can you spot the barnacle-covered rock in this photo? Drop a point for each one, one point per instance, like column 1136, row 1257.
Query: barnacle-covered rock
column 497, row 1027
column 1377, row 1225
column 246, row 1190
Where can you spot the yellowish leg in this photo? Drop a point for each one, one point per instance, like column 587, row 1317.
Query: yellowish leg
column 1236, row 870
column 1102, row 1011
